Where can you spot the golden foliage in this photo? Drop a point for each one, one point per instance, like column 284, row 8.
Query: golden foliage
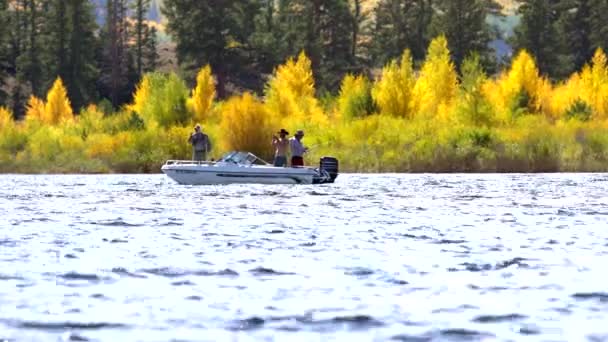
column 472, row 107
column 436, row 86
column 393, row 92
column 355, row 99
column 91, row 120
column 58, row 108
column 291, row 94
column 166, row 101
column 423, row 120
column 245, row 125
column 141, row 95
column 524, row 74
column 6, row 118
column 44, row 143
column 36, row 110
column 519, row 91
column 594, row 84
column 202, row 95
column 294, row 78
column 564, row 96
column 104, row 145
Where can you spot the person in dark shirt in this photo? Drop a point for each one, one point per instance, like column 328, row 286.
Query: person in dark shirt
column 201, row 144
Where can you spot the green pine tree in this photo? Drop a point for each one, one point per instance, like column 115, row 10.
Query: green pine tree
column 4, row 49
column 141, row 33
column 56, row 36
column 17, row 34
column 356, row 19
column 464, row 24
column 323, row 29
column 247, row 71
column 150, row 49
column 29, row 64
column 537, row 33
column 598, row 24
column 338, row 31
column 266, row 37
column 69, row 45
column 574, row 33
column 83, row 70
column 204, row 31
column 16, row 39
column 400, row 25
column 118, row 75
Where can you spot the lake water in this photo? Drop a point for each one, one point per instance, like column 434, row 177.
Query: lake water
column 370, row 258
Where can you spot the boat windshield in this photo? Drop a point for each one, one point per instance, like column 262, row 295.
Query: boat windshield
column 243, row 158
column 228, row 157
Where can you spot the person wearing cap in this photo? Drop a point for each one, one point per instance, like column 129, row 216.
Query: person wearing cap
column 280, row 144
column 297, row 149
column 201, row 144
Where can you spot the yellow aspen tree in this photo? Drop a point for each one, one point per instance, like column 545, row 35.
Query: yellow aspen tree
column 393, row 92
column 58, row 108
column 564, row 95
column 91, row 120
column 141, row 96
column 203, row 94
column 524, row 75
column 35, row 109
column 292, row 88
column 161, row 99
column 521, row 89
column 355, row 98
column 6, row 118
column 471, row 106
column 437, row 84
column 246, row 126
column 594, row 84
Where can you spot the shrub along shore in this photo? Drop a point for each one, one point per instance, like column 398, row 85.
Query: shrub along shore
column 431, row 119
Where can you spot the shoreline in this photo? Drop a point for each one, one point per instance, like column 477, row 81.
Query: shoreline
column 340, row 173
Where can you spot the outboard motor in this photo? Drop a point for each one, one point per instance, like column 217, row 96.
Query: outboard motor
column 329, row 165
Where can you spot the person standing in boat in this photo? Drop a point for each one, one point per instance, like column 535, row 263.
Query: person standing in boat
column 297, row 149
column 280, row 144
column 201, row 144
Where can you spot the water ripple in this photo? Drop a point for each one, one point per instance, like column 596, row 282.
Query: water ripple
column 119, row 222
column 263, row 271
column 600, row 296
column 474, row 267
column 82, row 276
column 64, row 325
column 373, row 257
column 170, row 272
column 498, row 318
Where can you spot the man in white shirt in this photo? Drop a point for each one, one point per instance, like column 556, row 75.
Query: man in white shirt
column 297, row 149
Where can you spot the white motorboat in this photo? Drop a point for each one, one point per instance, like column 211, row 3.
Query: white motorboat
column 245, row 167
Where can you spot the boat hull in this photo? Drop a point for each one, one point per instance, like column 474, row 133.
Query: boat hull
column 217, row 175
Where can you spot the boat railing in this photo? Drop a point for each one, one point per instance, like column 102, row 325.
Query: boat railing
column 240, row 158
column 190, row 162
